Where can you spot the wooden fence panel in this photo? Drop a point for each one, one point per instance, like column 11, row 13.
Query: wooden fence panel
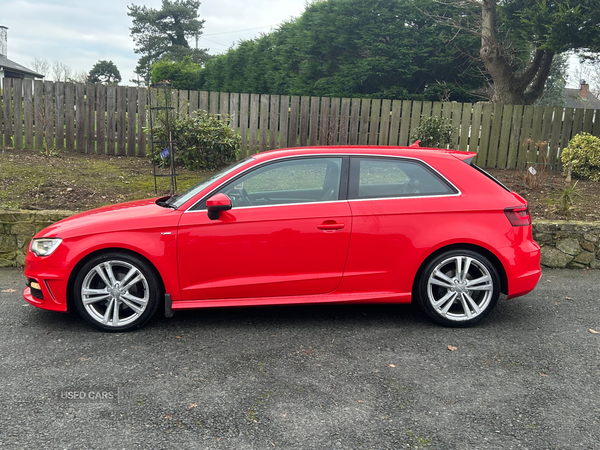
column 465, row 127
column 515, row 136
column 193, row 105
column 109, row 119
column 111, row 124
column 59, row 106
column 354, row 121
column 475, row 128
column 284, row 122
column 273, row 121
column 588, row 118
column 494, row 141
column 224, row 103
column 384, row 122
column 395, row 122
column 334, row 121
column 48, row 114
column 324, row 122
column 363, row 130
column 18, row 112
column 456, row 115
column 554, row 143
column 405, row 123
column 525, row 138
column 304, row 113
column 121, row 119
column 484, row 139
column 596, row 126
column 263, row 127
column 141, row 121
column 69, row 117
column 254, row 105
column 578, row 121
column 101, row 119
column 7, row 111
column 244, row 117
column 502, row 152
column 313, row 131
column 374, row 122
column 203, row 101
column 28, row 112
column 234, row 111
column 294, row 118
column 213, row 103
column 536, row 134
column 415, row 118
column 131, row 120
column 344, row 121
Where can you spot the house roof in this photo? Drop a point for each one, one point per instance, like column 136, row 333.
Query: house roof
column 12, row 66
column 574, row 100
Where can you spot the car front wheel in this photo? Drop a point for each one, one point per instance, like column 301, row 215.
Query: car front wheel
column 116, row 292
column 458, row 288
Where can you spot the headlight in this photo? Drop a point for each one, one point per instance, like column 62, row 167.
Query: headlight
column 44, row 246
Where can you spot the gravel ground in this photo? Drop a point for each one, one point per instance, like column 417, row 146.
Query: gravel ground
column 317, row 377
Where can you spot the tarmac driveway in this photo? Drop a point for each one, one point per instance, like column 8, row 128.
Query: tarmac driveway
column 318, row 377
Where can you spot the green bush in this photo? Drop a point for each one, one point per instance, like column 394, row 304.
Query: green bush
column 434, row 132
column 203, row 142
column 583, row 155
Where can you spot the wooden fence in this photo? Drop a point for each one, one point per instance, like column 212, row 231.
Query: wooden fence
column 110, row 119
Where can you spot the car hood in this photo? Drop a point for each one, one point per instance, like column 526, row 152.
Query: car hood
column 135, row 215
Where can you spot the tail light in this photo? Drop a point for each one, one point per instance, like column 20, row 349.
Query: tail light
column 518, row 216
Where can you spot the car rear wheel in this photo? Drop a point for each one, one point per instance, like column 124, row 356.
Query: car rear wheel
column 458, row 288
column 116, row 292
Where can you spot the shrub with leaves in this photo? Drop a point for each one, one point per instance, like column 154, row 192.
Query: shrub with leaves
column 434, row 132
column 202, row 142
column 582, row 155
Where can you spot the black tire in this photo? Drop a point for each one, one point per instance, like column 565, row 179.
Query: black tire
column 117, row 283
column 455, row 301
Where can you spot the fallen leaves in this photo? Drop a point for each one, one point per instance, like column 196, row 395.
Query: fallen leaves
column 594, row 331
column 452, row 348
column 392, row 365
column 8, row 290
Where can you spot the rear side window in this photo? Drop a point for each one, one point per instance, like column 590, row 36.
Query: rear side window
column 394, row 177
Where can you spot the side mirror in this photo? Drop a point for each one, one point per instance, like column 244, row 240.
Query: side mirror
column 216, row 204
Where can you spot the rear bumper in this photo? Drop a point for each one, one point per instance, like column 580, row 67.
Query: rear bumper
column 525, row 271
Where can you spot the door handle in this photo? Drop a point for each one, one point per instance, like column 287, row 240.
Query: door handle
column 330, row 225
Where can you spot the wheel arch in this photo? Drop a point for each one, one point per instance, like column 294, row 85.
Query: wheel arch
column 475, row 248
column 88, row 257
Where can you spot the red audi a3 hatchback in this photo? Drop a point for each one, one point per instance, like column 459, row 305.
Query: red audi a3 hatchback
column 297, row 226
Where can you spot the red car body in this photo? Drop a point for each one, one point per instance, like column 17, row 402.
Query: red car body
column 340, row 249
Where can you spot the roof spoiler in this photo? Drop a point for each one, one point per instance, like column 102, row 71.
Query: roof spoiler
column 466, row 157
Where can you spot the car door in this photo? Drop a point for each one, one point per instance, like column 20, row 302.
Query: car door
column 287, row 234
column 394, row 201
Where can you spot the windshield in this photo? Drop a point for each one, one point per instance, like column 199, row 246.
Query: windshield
column 180, row 199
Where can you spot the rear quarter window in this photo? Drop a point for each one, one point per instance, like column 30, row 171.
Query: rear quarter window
column 395, row 177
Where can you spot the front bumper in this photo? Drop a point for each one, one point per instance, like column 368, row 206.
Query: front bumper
column 46, row 285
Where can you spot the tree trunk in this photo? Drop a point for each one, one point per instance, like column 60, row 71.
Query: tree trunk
column 510, row 88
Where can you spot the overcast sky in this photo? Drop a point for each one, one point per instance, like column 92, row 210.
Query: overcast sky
column 80, row 33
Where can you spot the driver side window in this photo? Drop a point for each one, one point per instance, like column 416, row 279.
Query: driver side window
column 292, row 181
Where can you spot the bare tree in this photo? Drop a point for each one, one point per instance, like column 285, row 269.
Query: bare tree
column 60, row 71
column 41, row 66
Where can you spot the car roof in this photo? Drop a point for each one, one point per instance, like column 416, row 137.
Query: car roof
column 410, row 152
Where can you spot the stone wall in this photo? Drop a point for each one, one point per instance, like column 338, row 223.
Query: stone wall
column 564, row 243
column 16, row 230
column 571, row 244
